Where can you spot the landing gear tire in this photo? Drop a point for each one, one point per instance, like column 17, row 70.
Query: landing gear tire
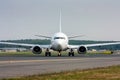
column 47, row 53
column 70, row 54
column 59, row 54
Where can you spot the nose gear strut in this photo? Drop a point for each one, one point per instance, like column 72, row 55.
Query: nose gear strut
column 59, row 54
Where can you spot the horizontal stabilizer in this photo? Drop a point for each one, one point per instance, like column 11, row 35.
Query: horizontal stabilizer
column 76, row 36
column 43, row 36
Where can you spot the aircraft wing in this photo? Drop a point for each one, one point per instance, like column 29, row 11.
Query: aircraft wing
column 25, row 45
column 92, row 45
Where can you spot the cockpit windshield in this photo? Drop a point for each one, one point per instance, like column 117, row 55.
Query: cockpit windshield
column 59, row 38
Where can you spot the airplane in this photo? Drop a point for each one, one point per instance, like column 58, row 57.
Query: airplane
column 59, row 43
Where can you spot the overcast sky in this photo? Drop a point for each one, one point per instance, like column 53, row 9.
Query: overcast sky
column 96, row 19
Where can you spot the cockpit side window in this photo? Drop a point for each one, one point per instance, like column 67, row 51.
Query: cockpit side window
column 59, row 38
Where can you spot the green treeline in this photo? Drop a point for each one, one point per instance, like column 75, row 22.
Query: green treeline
column 71, row 42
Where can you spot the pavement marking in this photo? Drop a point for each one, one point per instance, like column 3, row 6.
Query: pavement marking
column 19, row 61
column 48, row 60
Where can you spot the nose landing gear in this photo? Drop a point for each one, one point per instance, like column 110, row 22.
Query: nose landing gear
column 59, row 54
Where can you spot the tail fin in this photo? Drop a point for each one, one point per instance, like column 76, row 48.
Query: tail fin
column 60, row 22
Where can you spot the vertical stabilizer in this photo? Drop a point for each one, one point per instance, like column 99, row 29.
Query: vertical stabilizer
column 60, row 22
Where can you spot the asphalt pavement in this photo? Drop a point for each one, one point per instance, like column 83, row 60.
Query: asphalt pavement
column 16, row 66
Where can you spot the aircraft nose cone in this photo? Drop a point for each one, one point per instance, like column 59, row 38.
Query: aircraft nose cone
column 59, row 45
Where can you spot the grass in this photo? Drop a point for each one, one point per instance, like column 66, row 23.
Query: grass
column 16, row 53
column 100, row 52
column 29, row 53
column 106, row 73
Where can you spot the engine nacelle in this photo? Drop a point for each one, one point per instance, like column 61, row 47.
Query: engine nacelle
column 82, row 50
column 37, row 50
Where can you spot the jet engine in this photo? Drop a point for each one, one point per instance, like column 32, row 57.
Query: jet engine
column 82, row 50
column 37, row 50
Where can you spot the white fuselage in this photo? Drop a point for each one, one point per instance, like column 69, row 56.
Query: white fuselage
column 59, row 42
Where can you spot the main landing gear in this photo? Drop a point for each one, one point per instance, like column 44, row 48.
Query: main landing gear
column 71, row 53
column 47, row 53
